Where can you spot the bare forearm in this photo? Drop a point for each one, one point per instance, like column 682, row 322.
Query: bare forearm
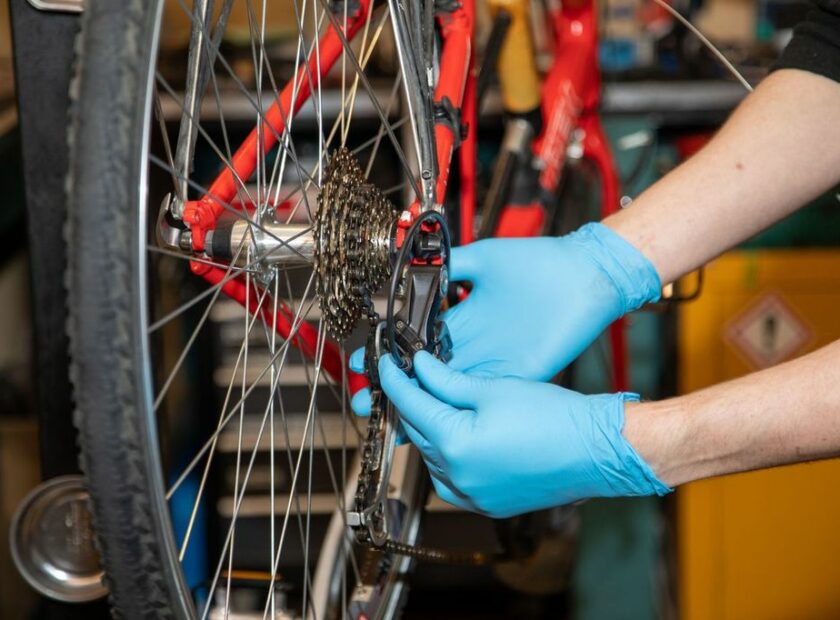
column 786, row 414
column 780, row 149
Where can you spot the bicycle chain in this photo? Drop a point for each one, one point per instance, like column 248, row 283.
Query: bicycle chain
column 372, row 453
column 354, row 233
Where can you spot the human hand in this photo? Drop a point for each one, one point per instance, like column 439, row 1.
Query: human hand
column 506, row 446
column 537, row 303
column 360, row 403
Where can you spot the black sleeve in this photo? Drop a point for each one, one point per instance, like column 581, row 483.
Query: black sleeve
column 815, row 45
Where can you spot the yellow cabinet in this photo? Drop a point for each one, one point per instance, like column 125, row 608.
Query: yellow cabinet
column 766, row 544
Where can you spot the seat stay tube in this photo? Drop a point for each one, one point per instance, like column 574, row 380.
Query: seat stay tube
column 201, row 215
column 456, row 27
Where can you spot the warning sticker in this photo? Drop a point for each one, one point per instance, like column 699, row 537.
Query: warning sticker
column 768, row 332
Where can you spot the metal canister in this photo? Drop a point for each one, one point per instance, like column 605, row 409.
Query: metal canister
column 51, row 540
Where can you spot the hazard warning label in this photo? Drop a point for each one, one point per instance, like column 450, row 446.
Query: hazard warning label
column 768, row 332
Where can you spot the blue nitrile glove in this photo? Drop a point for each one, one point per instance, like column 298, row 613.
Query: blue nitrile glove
column 504, row 446
column 360, row 403
column 537, row 303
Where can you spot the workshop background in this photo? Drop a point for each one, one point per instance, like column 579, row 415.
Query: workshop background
column 763, row 545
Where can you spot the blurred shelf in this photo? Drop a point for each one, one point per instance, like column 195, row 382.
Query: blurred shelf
column 673, row 101
column 683, row 102
column 237, row 106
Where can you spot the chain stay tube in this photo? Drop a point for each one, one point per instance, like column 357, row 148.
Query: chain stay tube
column 412, row 65
column 468, row 157
column 306, row 335
column 455, row 62
column 456, row 26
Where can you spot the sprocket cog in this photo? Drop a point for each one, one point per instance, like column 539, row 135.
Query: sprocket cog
column 353, row 230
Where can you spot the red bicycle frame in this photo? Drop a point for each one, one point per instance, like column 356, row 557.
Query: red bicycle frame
column 571, row 95
column 570, row 98
column 456, row 28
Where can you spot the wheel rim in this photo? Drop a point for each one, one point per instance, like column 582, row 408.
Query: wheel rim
column 298, row 442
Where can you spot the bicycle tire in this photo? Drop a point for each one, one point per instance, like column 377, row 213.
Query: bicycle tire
column 109, row 128
column 104, row 340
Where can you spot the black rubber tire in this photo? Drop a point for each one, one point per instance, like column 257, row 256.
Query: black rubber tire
column 106, row 322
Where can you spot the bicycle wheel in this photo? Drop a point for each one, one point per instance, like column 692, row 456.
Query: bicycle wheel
column 264, row 457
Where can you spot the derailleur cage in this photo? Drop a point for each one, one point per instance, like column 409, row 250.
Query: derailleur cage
column 419, row 276
column 416, row 326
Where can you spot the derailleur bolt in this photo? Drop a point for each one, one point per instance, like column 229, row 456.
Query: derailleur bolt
column 185, row 241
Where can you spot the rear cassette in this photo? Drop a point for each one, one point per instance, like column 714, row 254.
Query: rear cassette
column 353, row 236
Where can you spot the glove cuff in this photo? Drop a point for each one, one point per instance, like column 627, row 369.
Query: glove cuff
column 634, row 462
column 632, row 273
column 628, row 473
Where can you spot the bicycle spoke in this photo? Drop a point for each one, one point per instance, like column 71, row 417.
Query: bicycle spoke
column 288, row 119
column 238, row 498
column 226, row 160
column 273, row 378
column 166, row 384
column 254, row 104
column 309, row 416
column 396, row 188
column 296, row 324
column 247, row 316
column 365, row 53
column 205, row 473
column 196, row 259
column 167, row 147
column 236, row 212
column 276, row 395
column 198, row 71
column 230, row 275
column 366, row 85
column 375, row 140
column 380, row 133
column 279, row 188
